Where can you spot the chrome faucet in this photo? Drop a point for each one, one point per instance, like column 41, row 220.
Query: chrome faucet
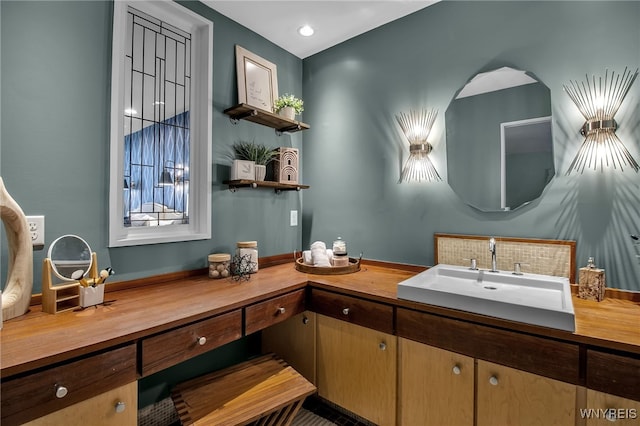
column 492, row 249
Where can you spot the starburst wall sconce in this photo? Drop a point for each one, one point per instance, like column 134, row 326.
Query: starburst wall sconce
column 598, row 100
column 416, row 126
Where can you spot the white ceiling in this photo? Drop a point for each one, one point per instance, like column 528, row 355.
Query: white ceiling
column 334, row 21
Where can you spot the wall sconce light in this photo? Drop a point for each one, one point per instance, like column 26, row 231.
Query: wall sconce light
column 416, row 126
column 598, row 101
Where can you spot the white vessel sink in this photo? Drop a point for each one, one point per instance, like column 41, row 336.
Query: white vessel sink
column 530, row 298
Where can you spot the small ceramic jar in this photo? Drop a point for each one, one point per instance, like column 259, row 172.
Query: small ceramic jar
column 249, row 248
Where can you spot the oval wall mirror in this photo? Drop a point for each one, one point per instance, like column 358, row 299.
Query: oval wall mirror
column 70, row 257
column 499, row 142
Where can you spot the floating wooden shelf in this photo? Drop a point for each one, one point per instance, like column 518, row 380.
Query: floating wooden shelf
column 277, row 186
column 266, row 118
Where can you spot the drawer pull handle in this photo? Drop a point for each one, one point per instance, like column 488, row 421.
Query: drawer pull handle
column 457, row 370
column 281, row 310
column 305, row 320
column 120, row 407
column 345, row 311
column 61, row 391
column 493, row 380
column 382, row 346
column 202, row 340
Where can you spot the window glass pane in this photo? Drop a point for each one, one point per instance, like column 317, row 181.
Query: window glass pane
column 157, row 139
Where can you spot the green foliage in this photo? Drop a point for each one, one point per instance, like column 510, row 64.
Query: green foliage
column 288, row 100
column 252, row 151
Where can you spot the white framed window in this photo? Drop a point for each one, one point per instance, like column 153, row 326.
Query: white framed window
column 161, row 114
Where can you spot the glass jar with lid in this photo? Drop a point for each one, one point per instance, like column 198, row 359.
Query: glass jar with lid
column 219, row 265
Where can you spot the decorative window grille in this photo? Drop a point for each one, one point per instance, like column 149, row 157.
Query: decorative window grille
column 156, row 151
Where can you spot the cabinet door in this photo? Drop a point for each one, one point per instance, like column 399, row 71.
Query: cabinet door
column 512, row 397
column 117, row 407
column 435, row 386
column 294, row 340
column 357, row 369
column 603, row 408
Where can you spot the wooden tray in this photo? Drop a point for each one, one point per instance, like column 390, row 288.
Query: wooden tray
column 353, row 266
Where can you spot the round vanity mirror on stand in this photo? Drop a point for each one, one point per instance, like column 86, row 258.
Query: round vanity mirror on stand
column 70, row 276
column 70, row 257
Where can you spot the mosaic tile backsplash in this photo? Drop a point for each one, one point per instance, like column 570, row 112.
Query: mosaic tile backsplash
column 535, row 256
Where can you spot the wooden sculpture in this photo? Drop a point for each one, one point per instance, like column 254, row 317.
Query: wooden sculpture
column 17, row 291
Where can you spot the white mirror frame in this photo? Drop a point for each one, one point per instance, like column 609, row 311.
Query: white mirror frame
column 56, row 262
column 199, row 226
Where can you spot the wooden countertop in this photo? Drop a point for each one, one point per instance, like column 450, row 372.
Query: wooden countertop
column 39, row 339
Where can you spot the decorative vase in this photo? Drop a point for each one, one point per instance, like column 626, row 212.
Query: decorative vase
column 261, row 172
column 287, row 112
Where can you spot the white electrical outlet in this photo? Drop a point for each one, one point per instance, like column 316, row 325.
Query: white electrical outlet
column 293, row 218
column 36, row 228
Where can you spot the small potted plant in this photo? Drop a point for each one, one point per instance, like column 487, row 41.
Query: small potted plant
column 288, row 106
column 258, row 154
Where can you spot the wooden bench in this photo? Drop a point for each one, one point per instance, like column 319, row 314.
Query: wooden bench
column 261, row 391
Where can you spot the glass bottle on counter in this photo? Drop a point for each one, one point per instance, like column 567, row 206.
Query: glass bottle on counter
column 340, row 256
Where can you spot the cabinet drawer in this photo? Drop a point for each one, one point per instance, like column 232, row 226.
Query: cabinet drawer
column 362, row 312
column 272, row 311
column 614, row 374
column 546, row 357
column 117, row 407
column 34, row 395
column 174, row 346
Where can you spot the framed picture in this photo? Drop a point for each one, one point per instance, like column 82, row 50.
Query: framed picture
column 257, row 80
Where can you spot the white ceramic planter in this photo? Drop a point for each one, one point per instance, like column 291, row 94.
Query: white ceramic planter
column 261, row 172
column 90, row 296
column 287, row 112
column 243, row 169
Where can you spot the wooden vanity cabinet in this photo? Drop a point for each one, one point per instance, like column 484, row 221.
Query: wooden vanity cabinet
column 357, row 369
column 435, row 386
column 41, row 392
column 117, row 407
column 601, row 409
column 272, row 311
column 294, row 340
column 366, row 313
column 543, row 356
column 356, row 355
column 180, row 344
column 506, row 396
column 520, row 379
column 614, row 373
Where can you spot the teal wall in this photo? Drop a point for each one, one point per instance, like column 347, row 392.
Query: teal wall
column 55, row 85
column 354, row 150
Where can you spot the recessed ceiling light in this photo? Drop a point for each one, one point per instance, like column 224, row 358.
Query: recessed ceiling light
column 305, row 31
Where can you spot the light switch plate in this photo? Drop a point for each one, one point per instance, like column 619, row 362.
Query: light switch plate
column 293, row 218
